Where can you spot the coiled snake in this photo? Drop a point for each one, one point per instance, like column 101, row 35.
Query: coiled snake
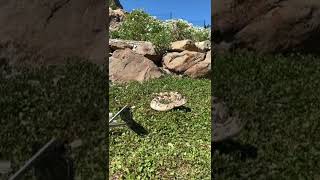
column 165, row 101
column 224, row 126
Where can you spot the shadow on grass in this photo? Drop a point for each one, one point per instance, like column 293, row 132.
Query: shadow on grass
column 246, row 151
column 182, row 108
column 242, row 152
column 55, row 163
column 127, row 117
column 137, row 128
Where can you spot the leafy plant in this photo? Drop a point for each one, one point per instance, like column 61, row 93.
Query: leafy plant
column 181, row 29
column 140, row 26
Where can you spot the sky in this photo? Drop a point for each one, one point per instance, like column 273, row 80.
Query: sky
column 191, row 10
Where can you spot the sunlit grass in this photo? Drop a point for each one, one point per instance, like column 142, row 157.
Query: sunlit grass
column 178, row 144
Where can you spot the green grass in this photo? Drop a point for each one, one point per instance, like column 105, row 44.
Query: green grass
column 279, row 96
column 178, row 143
column 33, row 109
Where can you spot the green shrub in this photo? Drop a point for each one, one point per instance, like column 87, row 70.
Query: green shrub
column 200, row 34
column 181, row 29
column 140, row 26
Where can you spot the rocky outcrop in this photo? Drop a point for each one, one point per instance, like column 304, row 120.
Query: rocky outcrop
column 189, row 58
column 182, row 45
column 201, row 68
column 138, row 60
column 267, row 26
column 125, row 66
column 180, row 62
column 115, row 44
column 54, row 30
column 147, row 49
column 204, row 46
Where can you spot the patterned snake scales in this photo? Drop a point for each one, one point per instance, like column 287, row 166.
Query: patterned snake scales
column 172, row 99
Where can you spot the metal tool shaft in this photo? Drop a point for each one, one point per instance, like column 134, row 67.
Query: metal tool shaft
column 117, row 114
column 32, row 160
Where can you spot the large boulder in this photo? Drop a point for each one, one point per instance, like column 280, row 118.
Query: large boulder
column 267, row 26
column 115, row 44
column 54, row 29
column 147, row 49
column 190, row 63
column 126, row 65
column 204, row 46
column 182, row 45
column 201, row 69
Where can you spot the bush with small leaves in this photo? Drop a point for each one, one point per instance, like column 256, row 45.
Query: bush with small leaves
column 181, row 29
column 140, row 26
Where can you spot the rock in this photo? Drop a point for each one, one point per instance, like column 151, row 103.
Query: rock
column 126, row 65
column 274, row 26
column 116, row 17
column 55, row 29
column 147, row 49
column 204, row 45
column 182, row 45
column 115, row 44
column 166, row 71
column 179, row 62
column 201, row 69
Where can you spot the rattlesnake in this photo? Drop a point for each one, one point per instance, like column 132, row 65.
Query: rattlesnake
column 224, row 125
column 165, row 101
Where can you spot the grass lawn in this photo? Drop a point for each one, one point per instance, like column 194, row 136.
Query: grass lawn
column 279, row 96
column 178, row 143
column 62, row 101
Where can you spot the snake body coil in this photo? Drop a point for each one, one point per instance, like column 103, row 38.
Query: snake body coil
column 167, row 100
